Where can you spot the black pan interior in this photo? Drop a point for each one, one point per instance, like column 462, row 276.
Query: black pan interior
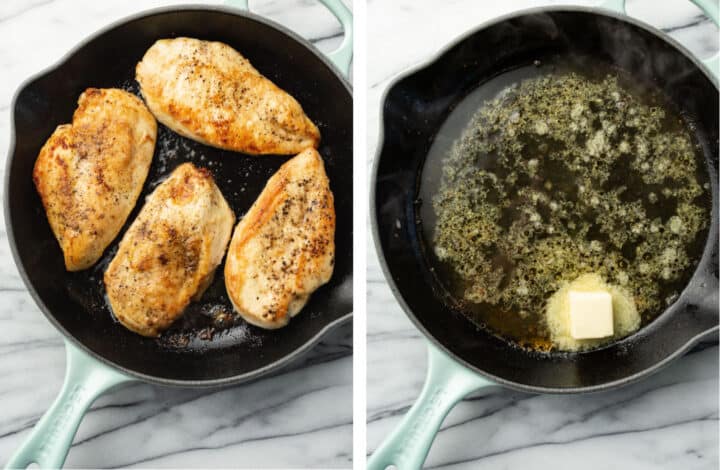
column 191, row 351
column 417, row 105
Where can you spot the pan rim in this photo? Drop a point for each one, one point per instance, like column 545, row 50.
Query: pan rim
column 203, row 383
column 384, row 265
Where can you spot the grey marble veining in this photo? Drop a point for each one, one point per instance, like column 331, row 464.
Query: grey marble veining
column 669, row 421
column 301, row 418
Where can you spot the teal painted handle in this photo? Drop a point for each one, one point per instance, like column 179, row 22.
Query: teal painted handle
column 49, row 442
column 710, row 8
column 340, row 57
column 446, row 384
column 712, row 11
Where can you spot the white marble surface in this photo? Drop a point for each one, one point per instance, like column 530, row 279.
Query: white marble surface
column 301, row 418
column 667, row 422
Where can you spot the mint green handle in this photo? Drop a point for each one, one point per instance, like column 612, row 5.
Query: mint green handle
column 712, row 11
column 446, row 384
column 340, row 57
column 85, row 380
column 710, row 8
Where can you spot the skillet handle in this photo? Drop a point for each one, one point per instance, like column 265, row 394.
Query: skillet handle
column 712, row 11
column 447, row 383
column 340, row 57
column 709, row 8
column 85, row 379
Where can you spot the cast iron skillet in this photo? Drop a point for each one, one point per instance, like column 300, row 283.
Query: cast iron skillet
column 101, row 352
column 462, row 356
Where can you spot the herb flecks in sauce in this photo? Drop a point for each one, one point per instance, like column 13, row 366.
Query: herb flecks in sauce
column 562, row 176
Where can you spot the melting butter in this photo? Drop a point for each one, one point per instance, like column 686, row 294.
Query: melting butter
column 625, row 316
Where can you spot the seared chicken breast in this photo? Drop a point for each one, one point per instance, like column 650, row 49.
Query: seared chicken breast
column 208, row 92
column 283, row 249
column 169, row 254
column 89, row 174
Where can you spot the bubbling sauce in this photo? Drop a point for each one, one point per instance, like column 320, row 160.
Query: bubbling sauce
column 560, row 175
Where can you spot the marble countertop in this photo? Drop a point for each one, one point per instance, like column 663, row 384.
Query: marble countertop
column 301, row 418
column 669, row 421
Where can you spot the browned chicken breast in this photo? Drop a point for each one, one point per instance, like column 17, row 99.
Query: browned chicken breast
column 90, row 173
column 284, row 247
column 208, row 92
column 169, row 254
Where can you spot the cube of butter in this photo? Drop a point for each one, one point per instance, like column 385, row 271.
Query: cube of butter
column 591, row 314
